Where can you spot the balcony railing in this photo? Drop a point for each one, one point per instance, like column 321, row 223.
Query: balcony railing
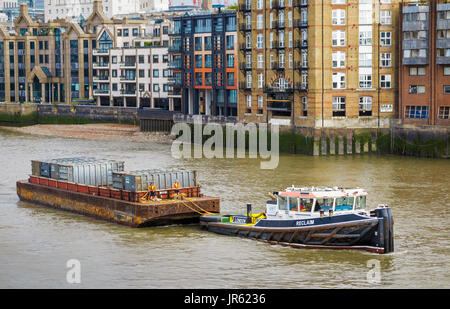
column 244, row 8
column 176, row 64
column 101, row 91
column 128, row 78
column 128, row 91
column 128, row 64
column 279, row 106
column 175, row 48
column 99, row 51
column 244, row 86
column 301, row 23
column 245, row 66
column 299, row 3
column 244, row 27
column 243, row 46
column 271, row 89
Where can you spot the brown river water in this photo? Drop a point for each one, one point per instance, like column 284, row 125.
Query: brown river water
column 36, row 242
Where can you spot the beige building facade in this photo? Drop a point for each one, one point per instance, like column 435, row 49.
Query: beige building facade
column 314, row 63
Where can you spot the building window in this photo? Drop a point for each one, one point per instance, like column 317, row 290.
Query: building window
column 259, row 41
column 155, row 58
column 259, row 21
column 446, row 89
column 261, row 102
column 447, row 71
column 417, row 71
column 416, row 89
column 386, row 60
column 156, row 87
column 338, row 58
column 198, row 61
column 230, row 42
column 338, row 38
column 260, row 80
column 155, row 73
column 365, row 38
column 230, row 60
column 386, row 17
column 248, row 79
column 249, row 104
column 208, row 79
column 365, row 80
column 198, row 79
column 365, row 106
column 385, row 81
column 260, row 61
column 385, row 38
column 444, row 112
column 259, row 4
column 337, row 1
column 338, row 17
column 416, row 112
column 305, row 106
column 338, row 106
column 365, row 59
column 230, row 78
column 338, row 80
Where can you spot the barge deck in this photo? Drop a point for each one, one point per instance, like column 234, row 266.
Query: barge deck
column 126, row 212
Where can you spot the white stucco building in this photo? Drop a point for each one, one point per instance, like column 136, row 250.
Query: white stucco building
column 153, row 5
column 73, row 9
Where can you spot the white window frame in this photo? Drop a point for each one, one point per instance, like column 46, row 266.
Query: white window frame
column 385, row 81
column 338, row 80
column 386, row 17
column 338, row 17
column 338, row 59
column 386, row 60
column 338, row 38
column 386, row 38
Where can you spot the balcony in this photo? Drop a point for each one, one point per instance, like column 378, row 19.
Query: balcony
column 174, row 92
column 128, row 92
column 100, row 78
column 175, row 81
column 176, row 64
column 299, row 3
column 244, row 86
column 128, row 64
column 301, row 44
column 245, row 66
column 244, row 8
column 271, row 89
column 176, row 48
column 301, row 87
column 101, row 92
column 279, row 106
column 128, row 78
column 301, row 24
column 101, row 65
column 245, row 27
column 243, row 46
column 100, row 51
column 277, row 66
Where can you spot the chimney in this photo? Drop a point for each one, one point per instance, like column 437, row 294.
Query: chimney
column 98, row 6
column 23, row 9
column 207, row 5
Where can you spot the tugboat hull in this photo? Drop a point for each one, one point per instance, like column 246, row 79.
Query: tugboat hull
column 370, row 234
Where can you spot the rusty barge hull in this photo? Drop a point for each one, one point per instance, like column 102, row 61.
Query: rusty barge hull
column 123, row 212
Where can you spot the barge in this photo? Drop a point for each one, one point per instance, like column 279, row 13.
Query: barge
column 313, row 218
column 97, row 197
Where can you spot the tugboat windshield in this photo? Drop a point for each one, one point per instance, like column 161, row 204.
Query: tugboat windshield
column 323, row 204
column 344, row 203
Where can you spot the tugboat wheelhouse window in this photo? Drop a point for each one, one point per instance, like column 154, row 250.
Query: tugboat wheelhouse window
column 293, row 204
column 360, row 202
column 282, row 203
column 344, row 203
column 323, row 204
column 306, row 204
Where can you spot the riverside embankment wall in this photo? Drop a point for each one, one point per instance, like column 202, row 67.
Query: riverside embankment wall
column 50, row 113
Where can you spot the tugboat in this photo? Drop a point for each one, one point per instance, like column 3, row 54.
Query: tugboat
column 315, row 218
